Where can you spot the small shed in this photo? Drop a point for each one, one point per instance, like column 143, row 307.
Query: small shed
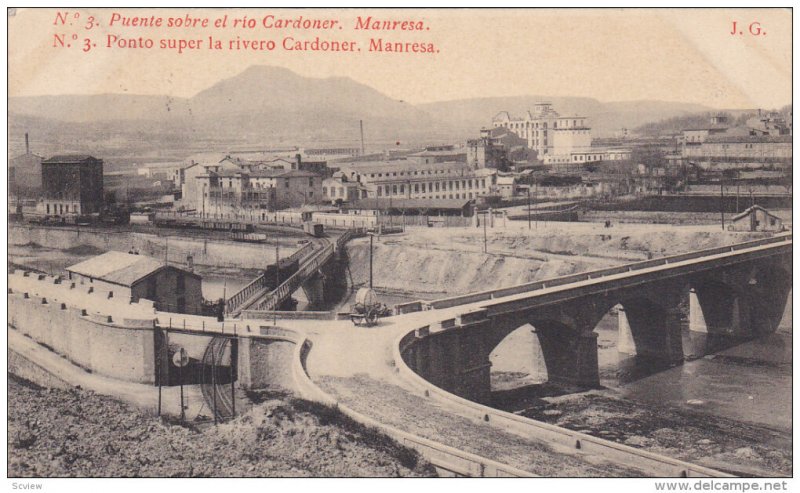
column 756, row 218
column 131, row 277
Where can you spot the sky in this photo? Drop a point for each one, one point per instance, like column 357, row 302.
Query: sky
column 608, row 54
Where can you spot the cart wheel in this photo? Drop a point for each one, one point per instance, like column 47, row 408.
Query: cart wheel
column 371, row 317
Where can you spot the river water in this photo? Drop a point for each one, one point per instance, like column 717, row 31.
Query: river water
column 750, row 381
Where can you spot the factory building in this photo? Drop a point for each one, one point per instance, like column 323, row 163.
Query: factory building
column 71, row 185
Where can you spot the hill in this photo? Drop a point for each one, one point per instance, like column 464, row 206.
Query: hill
column 270, row 106
column 605, row 118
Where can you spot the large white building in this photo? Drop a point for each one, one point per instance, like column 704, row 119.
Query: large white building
column 548, row 133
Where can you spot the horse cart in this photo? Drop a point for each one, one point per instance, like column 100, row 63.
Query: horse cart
column 367, row 309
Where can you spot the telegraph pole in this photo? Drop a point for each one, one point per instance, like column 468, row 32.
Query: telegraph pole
column 277, row 278
column 722, row 201
column 529, row 207
column 370, row 259
column 485, row 248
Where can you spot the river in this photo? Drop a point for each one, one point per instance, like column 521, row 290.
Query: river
column 749, row 382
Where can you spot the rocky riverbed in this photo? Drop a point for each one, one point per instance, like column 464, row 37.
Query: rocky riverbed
column 77, row 433
column 713, row 441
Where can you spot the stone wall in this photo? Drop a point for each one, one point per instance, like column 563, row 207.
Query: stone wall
column 215, row 253
column 122, row 349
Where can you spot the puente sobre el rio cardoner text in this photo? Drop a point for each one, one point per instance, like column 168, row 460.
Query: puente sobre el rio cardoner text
column 437, row 351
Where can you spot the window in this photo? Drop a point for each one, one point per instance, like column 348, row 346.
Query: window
column 287, row 182
column 311, row 182
column 181, row 282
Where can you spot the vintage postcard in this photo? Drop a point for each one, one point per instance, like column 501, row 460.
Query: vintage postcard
column 423, row 242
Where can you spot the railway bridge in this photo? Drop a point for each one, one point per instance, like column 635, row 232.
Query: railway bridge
column 314, row 260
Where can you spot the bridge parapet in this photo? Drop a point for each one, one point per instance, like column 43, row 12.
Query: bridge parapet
column 590, row 275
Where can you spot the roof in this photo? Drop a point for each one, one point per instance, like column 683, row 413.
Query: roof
column 282, row 173
column 731, row 139
column 384, row 203
column 449, row 152
column 119, row 268
column 168, row 164
column 70, row 158
column 752, row 209
column 403, row 165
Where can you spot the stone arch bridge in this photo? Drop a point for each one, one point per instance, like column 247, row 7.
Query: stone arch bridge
column 738, row 291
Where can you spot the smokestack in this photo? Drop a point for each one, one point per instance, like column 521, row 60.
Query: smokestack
column 361, row 126
column 27, row 146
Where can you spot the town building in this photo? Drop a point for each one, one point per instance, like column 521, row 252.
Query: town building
column 331, row 153
column 739, row 150
column 384, row 207
column 71, row 185
column 577, row 159
column 131, row 277
column 411, row 179
column 338, row 189
column 493, row 148
column 232, row 191
column 168, row 173
column 25, row 172
column 507, row 186
column 547, row 132
column 561, row 142
column 439, row 154
column 756, row 218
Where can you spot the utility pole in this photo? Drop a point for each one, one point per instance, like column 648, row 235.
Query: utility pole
column 485, row 248
column 529, row 207
column 361, row 127
column 277, row 278
column 722, row 201
column 370, row 259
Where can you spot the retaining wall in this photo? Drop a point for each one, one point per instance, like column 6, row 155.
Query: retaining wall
column 121, row 349
column 215, row 253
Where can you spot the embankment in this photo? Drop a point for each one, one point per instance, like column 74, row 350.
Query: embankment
column 217, row 253
column 427, row 263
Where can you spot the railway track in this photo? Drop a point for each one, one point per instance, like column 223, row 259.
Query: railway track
column 218, row 396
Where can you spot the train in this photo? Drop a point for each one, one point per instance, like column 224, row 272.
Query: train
column 181, row 222
column 206, row 224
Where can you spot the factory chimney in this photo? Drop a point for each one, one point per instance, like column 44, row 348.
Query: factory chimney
column 361, row 127
column 27, row 146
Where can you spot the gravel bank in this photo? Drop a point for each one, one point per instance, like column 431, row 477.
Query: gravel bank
column 76, row 433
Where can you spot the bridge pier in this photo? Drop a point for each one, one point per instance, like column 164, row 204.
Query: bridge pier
column 650, row 332
column 314, row 289
column 625, row 341
column 570, row 356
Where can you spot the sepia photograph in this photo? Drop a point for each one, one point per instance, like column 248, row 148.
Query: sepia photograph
column 361, row 242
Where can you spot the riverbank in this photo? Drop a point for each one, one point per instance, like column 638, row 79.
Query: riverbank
column 720, row 443
column 77, row 433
